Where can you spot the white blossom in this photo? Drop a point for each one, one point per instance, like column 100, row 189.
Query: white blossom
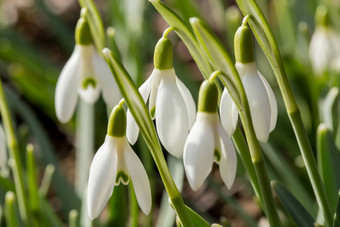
column 114, row 163
column 173, row 107
column 206, row 142
column 86, row 74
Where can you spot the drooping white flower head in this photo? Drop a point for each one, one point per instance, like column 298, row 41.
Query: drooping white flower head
column 114, row 163
column 324, row 47
column 208, row 142
column 85, row 74
column 261, row 98
column 170, row 102
column 3, row 150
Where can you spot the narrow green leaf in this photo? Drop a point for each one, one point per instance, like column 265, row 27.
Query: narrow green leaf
column 218, row 57
column 32, row 180
column 197, row 219
column 11, row 214
column 184, row 32
column 298, row 213
column 336, row 221
column 62, row 188
column 328, row 159
column 118, row 204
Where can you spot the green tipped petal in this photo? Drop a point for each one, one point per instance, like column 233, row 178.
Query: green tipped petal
column 83, row 33
column 117, row 122
column 243, row 44
column 163, row 56
column 208, row 96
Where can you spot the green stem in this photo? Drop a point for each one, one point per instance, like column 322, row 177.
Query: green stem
column 14, row 153
column 85, row 145
column 258, row 162
column 266, row 39
column 243, row 151
column 134, row 210
column 310, row 163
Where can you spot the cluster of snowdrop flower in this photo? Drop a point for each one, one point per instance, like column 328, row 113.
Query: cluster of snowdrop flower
column 85, row 73
column 115, row 162
column 201, row 138
column 324, row 48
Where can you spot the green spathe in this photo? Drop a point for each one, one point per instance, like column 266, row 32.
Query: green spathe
column 163, row 56
column 117, row 122
column 83, row 33
column 208, row 96
column 322, row 16
column 243, row 44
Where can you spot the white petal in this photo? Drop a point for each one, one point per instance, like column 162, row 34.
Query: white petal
column 189, row 101
column 198, row 153
column 66, row 93
column 110, row 90
column 3, row 150
column 155, row 78
column 132, row 129
column 139, row 179
column 102, row 177
column 272, row 101
column 259, row 104
column 90, row 94
column 322, row 49
column 228, row 162
column 228, row 113
column 172, row 120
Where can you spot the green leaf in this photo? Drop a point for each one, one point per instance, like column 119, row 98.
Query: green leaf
column 336, row 221
column 184, row 32
column 62, row 188
column 197, row 219
column 32, row 180
column 293, row 207
column 6, row 184
column 218, row 57
column 328, row 159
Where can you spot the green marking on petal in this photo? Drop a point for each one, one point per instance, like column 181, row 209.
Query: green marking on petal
column 153, row 111
column 89, row 81
column 122, row 177
column 217, row 155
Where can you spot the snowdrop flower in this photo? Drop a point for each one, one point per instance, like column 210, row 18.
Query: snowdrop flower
column 170, row 102
column 208, row 142
column 114, row 163
column 3, row 150
column 324, row 46
column 261, row 98
column 86, row 74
